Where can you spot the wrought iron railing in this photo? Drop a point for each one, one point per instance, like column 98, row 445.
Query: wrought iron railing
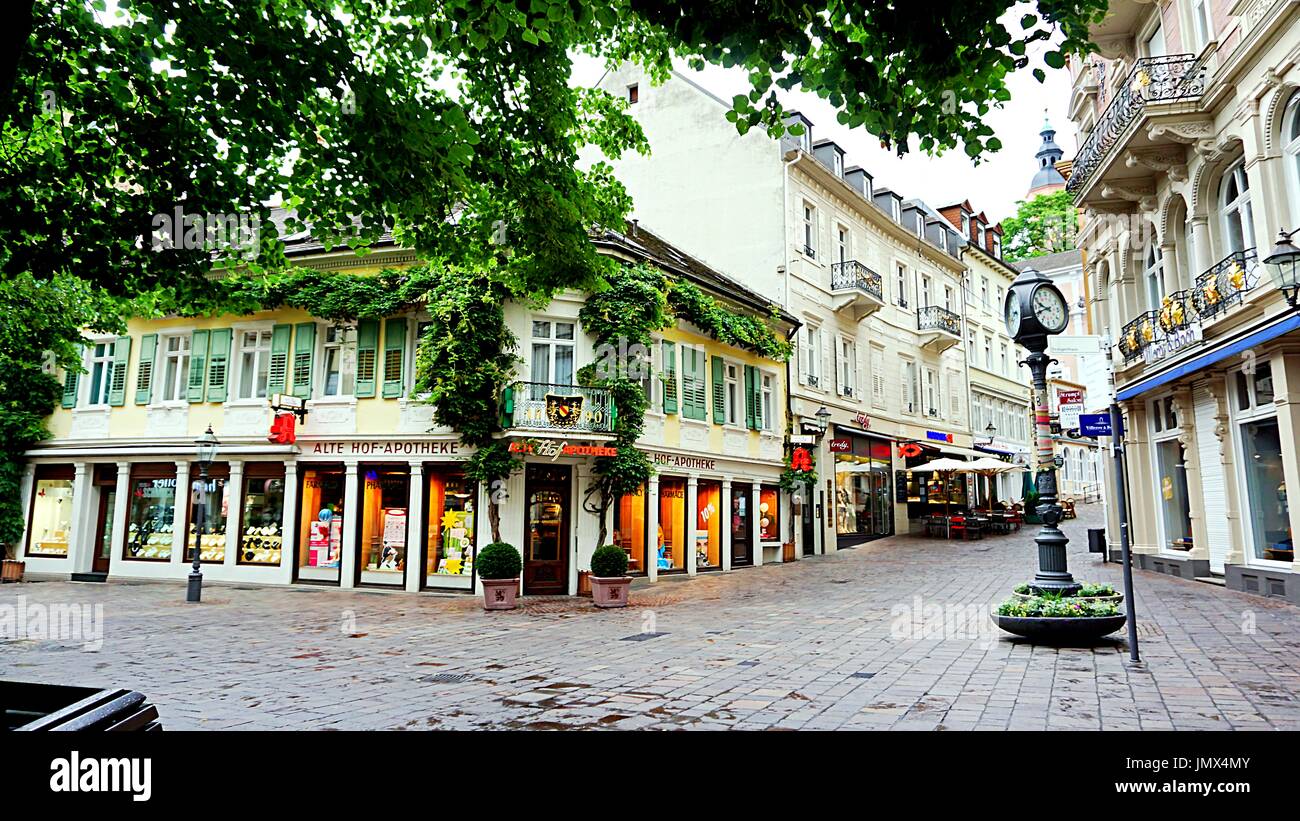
column 936, row 318
column 1176, row 311
column 546, row 407
column 1153, row 80
column 1136, row 336
column 852, row 275
column 1226, row 283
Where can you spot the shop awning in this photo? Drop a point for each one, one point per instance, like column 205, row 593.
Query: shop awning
column 1259, row 337
column 955, row 450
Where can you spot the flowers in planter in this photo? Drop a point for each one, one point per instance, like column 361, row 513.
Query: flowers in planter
column 1057, row 607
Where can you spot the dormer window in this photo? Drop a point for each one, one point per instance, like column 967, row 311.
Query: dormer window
column 633, row 94
column 894, row 210
column 965, row 224
column 997, row 247
column 837, row 160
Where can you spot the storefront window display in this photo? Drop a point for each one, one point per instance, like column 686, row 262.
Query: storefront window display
column 260, row 537
column 630, row 529
column 1171, row 478
column 708, row 526
column 742, row 526
column 216, row 507
column 320, row 535
column 51, row 515
column 863, row 499
column 769, row 513
column 1269, row 515
column 671, row 543
column 151, row 514
column 449, row 557
column 381, row 542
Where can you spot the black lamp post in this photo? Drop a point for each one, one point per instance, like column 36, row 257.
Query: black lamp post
column 1284, row 266
column 823, row 419
column 207, row 446
column 1036, row 309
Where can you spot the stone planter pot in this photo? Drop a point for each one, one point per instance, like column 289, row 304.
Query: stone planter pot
column 1060, row 631
column 1116, row 599
column 610, row 591
column 12, row 570
column 499, row 594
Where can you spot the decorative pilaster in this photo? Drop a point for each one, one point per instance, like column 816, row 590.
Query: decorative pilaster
column 181, row 540
column 755, row 536
column 416, row 531
column 652, row 529
column 724, row 524
column 234, row 506
column 692, row 522
column 351, row 513
column 289, row 523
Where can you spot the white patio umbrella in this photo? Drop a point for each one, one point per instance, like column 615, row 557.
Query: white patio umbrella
column 947, row 467
column 988, row 467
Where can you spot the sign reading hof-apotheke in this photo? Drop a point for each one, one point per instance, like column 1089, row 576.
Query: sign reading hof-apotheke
column 451, row 447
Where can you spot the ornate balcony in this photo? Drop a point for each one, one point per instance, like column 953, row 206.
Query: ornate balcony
column 1176, row 312
column 939, row 327
column 856, row 290
column 556, row 411
column 1225, row 284
column 1154, row 80
column 1140, row 334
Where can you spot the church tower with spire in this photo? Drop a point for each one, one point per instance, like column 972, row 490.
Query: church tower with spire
column 1047, row 179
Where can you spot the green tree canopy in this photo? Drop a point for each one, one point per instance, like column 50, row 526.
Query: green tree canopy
column 1044, row 225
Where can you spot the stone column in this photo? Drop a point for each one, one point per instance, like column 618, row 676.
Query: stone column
column 692, row 518
column 755, row 536
column 121, row 510
column 289, row 524
column 416, row 531
column 1203, row 249
column 82, row 535
column 652, row 529
column 25, row 499
column 724, row 524
column 234, row 511
column 351, row 516
column 181, row 540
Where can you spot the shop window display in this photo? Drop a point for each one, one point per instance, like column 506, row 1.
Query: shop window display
column 212, row 532
column 1270, row 524
column 863, row 502
column 51, row 522
column 260, row 539
column 708, row 525
column 769, row 514
column 150, row 518
column 741, row 525
column 381, row 544
column 630, row 529
column 1171, row 478
column 671, row 542
column 449, row 558
column 320, row 536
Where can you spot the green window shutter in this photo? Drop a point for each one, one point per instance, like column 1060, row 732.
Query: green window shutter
column 394, row 352
column 218, row 364
column 278, row 372
column 699, row 391
column 144, row 369
column 198, row 366
column 367, row 354
column 670, row 377
column 304, row 345
column 117, row 379
column 71, row 379
column 752, row 397
column 719, row 391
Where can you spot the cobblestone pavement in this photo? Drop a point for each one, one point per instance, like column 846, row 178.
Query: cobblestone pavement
column 818, row 644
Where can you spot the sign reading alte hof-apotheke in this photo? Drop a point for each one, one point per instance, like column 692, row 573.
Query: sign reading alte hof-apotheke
column 451, row 447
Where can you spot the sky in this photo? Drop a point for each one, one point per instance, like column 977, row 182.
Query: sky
column 994, row 186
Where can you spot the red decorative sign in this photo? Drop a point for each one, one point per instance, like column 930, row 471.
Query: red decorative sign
column 801, row 460
column 1070, row 397
column 863, row 420
column 284, row 429
column 841, row 446
column 909, row 449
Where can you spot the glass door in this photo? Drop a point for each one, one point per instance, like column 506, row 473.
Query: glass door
column 104, row 529
column 546, row 537
column 742, row 539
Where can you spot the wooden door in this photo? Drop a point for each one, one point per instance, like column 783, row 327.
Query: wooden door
column 546, row 530
column 104, row 529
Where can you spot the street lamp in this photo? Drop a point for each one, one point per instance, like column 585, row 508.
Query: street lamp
column 992, row 431
column 823, row 417
column 1284, row 266
column 1035, row 309
column 207, row 446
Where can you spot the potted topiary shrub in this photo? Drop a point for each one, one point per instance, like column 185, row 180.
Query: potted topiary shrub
column 609, row 579
column 498, row 565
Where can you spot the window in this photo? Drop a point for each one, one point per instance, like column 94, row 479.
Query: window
column 335, row 379
column 970, row 344
column 1268, row 532
column 997, row 247
column 909, row 386
column 837, row 160
column 1238, row 227
column 769, row 513
column 1174, row 521
column 151, row 513
column 983, row 235
column 877, row 376
column 1002, row 296
column 1291, row 154
column 100, row 365
column 767, row 408
column 633, row 94
column 731, row 392
column 213, row 511
column 947, row 298
column 988, row 353
column 260, row 539
column 848, row 366
column 384, row 519
column 320, row 524
column 1153, row 277
column 254, row 363
column 670, row 542
column 709, row 518
column 902, row 286
column 449, row 534
column 1003, row 359
column 51, row 516
column 925, row 291
column 176, row 367
column 552, row 353
column 812, row 359
column 984, row 291
column 965, row 224
column 931, row 392
column 1201, row 22
column 843, row 244
column 1155, row 43
column 809, row 230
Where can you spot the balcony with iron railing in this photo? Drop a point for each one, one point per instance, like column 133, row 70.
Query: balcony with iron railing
column 1225, row 284
column 550, row 410
column 939, row 327
column 1139, row 334
column 856, row 289
column 1153, row 81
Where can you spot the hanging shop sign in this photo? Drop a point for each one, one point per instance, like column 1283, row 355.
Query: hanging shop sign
column 938, row 436
column 1171, row 343
column 908, row 450
column 1069, row 397
column 553, row 449
column 284, row 428
column 841, row 446
column 449, row 448
column 802, row 439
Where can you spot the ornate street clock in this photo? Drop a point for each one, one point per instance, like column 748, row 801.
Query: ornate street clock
column 1035, row 309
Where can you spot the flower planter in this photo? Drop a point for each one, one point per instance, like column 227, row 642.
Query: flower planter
column 1060, row 630
column 610, row 591
column 499, row 594
column 1115, row 599
column 12, row 570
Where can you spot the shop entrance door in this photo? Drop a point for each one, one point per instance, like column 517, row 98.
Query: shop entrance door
column 809, row 527
column 546, row 530
column 104, row 529
column 741, row 524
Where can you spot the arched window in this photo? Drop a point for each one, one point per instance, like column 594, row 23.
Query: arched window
column 1234, row 199
column 1153, row 277
column 1291, row 155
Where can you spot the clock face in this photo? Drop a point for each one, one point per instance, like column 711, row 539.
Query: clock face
column 1013, row 313
column 1049, row 309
